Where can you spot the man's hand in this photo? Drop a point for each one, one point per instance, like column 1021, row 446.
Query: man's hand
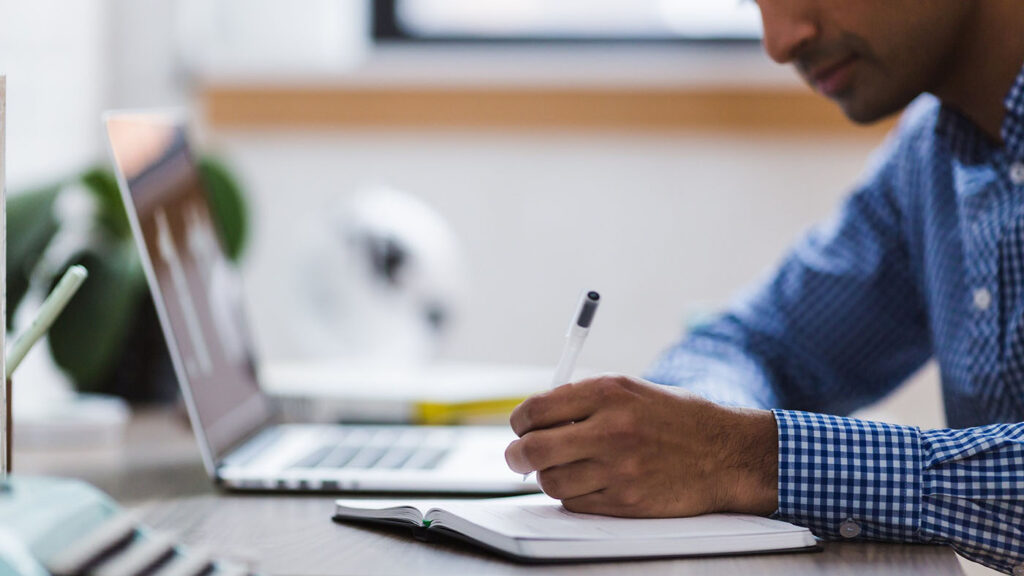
column 621, row 446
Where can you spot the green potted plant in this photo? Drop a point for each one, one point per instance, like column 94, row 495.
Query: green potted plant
column 109, row 339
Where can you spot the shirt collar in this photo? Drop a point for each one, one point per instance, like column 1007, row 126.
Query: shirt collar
column 1013, row 124
column 968, row 142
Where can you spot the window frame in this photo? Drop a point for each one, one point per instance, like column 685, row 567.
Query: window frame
column 386, row 29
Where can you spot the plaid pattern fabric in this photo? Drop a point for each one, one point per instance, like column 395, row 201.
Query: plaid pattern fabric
column 924, row 260
column 847, row 478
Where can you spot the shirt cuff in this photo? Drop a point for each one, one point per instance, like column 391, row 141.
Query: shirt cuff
column 849, row 478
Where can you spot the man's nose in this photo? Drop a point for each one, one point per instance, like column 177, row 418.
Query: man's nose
column 789, row 27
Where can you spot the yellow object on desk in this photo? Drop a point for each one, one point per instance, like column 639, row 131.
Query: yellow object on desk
column 491, row 411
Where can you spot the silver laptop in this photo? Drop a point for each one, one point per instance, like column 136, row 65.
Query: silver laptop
column 198, row 299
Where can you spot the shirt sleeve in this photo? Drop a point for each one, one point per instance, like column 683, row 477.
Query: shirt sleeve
column 838, row 325
column 853, row 479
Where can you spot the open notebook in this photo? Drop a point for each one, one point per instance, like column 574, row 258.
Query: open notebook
column 538, row 528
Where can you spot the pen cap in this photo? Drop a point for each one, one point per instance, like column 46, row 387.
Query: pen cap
column 587, row 309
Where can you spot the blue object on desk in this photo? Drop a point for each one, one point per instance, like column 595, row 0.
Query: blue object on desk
column 66, row 527
column 43, row 516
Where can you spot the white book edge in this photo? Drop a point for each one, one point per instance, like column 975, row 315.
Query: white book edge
column 750, row 534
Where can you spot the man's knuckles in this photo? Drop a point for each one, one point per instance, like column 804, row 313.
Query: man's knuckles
column 631, row 502
column 537, row 451
column 620, row 430
column 585, row 505
column 531, row 452
column 629, row 498
column 555, row 484
column 527, row 415
column 608, row 390
column 628, row 471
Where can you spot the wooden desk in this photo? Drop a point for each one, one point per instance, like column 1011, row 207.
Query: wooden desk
column 294, row 535
column 159, row 474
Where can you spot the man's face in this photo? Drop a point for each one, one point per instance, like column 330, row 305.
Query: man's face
column 872, row 57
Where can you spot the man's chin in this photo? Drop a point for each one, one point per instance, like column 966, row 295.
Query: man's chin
column 863, row 112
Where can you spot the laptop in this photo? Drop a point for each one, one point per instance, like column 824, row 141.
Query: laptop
column 198, row 299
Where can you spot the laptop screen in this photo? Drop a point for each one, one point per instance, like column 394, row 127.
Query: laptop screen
column 194, row 286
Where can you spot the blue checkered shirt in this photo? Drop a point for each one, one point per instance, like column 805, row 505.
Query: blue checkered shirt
column 924, row 260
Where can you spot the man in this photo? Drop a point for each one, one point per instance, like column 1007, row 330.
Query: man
column 925, row 259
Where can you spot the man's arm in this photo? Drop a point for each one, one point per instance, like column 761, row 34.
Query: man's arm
column 840, row 323
column 619, row 446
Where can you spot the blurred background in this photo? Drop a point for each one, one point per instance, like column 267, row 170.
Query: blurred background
column 647, row 149
column 508, row 154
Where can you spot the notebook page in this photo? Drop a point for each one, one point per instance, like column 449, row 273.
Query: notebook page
column 540, row 517
column 385, row 508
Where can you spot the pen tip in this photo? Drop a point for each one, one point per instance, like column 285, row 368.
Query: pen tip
column 588, row 307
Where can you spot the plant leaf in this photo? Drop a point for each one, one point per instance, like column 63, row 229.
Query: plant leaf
column 87, row 339
column 227, row 205
column 30, row 227
column 112, row 216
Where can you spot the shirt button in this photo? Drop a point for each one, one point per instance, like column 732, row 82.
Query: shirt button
column 982, row 299
column 849, row 529
column 1017, row 173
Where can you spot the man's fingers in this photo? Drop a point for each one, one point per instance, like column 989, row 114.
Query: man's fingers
column 569, row 403
column 613, row 501
column 592, row 503
column 572, row 480
column 542, row 449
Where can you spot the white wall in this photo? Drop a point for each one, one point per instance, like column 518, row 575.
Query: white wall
column 53, row 53
column 145, row 69
column 661, row 225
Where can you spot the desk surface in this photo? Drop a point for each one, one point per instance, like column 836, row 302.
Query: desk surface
column 295, row 535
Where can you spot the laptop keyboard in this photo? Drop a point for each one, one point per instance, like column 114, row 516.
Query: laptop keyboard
column 379, row 449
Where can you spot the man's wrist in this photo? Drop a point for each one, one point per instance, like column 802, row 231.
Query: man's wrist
column 751, row 455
